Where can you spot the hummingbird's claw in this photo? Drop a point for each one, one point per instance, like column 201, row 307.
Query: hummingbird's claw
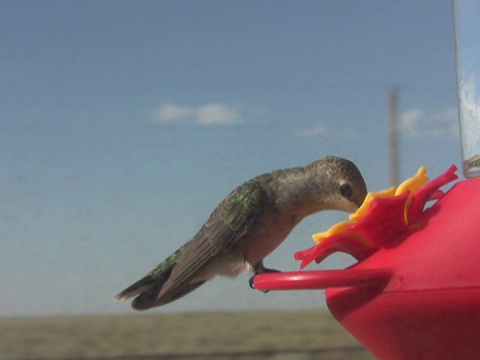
column 263, row 270
column 250, row 282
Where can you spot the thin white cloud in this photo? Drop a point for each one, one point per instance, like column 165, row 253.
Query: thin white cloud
column 168, row 113
column 321, row 130
column 419, row 123
column 204, row 115
column 410, row 120
column 217, row 114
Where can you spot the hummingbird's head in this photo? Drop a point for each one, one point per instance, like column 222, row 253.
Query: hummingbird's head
column 338, row 184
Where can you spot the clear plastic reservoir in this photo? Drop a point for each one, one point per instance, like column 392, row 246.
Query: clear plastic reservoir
column 467, row 43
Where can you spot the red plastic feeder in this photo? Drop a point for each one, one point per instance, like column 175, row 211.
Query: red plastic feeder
column 416, row 296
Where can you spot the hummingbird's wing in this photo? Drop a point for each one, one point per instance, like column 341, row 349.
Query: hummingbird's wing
column 230, row 221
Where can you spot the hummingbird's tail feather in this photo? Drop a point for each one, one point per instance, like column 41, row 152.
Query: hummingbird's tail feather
column 147, row 289
column 168, row 297
column 148, row 297
column 144, row 284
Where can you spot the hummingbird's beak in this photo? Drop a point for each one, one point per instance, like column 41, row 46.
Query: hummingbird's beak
column 359, row 202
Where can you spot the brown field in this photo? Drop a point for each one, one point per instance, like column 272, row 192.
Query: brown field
column 242, row 335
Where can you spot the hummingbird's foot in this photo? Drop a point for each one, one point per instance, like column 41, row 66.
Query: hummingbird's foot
column 260, row 270
column 250, row 282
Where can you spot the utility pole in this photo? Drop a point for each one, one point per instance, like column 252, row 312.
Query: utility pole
column 393, row 133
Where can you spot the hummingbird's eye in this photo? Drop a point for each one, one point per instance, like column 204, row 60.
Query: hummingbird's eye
column 346, row 191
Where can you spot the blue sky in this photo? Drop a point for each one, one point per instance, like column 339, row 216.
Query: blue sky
column 123, row 124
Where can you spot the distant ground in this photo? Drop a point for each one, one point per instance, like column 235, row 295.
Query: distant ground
column 242, row 335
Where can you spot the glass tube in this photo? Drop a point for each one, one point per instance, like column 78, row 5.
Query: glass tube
column 466, row 16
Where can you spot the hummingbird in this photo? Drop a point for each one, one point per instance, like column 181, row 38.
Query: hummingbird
column 251, row 222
